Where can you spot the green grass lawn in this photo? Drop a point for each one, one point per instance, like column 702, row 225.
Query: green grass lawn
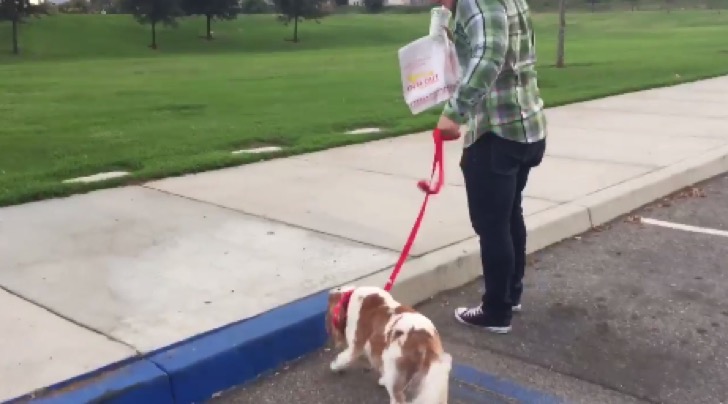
column 88, row 95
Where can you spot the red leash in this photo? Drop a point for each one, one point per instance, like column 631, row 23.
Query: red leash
column 438, row 163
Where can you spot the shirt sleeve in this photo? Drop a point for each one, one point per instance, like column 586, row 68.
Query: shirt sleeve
column 487, row 30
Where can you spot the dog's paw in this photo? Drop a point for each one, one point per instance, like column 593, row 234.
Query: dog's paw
column 336, row 367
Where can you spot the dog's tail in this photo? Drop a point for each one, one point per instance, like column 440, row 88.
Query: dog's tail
column 440, row 373
column 442, row 376
column 445, row 362
column 429, row 384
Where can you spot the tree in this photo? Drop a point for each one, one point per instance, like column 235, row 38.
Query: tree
column 212, row 9
column 593, row 5
column 254, row 7
column 16, row 11
column 374, row 6
column 105, row 6
column 153, row 12
column 716, row 4
column 295, row 10
column 75, row 7
column 634, row 4
column 562, row 34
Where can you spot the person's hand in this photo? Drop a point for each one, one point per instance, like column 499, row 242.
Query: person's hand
column 449, row 129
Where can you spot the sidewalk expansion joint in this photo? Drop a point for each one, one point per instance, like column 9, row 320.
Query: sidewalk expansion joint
column 592, row 160
column 270, row 219
column 628, row 111
column 137, row 353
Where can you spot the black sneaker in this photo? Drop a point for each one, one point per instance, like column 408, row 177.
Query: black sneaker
column 476, row 317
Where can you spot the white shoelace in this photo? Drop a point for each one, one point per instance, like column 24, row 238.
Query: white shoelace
column 472, row 312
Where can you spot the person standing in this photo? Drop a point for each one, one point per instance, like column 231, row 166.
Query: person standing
column 499, row 99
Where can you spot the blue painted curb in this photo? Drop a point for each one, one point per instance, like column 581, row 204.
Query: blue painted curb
column 191, row 371
column 501, row 387
column 130, row 382
column 241, row 352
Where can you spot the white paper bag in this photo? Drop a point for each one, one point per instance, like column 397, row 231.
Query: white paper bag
column 429, row 66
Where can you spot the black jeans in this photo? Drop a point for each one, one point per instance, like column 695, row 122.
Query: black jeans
column 496, row 171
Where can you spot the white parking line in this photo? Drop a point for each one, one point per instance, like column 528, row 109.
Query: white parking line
column 685, row 227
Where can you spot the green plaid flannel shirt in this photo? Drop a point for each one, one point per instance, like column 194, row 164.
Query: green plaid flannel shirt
column 498, row 90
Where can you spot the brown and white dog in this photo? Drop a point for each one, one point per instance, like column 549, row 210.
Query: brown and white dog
column 402, row 344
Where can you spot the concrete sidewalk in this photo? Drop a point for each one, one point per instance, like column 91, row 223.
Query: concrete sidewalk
column 119, row 273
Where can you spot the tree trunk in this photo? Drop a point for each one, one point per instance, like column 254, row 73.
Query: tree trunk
column 562, row 34
column 295, row 22
column 209, row 27
column 154, row 35
column 16, row 48
column 295, row 30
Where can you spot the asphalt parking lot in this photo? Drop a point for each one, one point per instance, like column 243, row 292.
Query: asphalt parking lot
column 635, row 311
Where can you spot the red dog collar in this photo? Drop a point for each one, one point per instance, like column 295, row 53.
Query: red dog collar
column 340, row 307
